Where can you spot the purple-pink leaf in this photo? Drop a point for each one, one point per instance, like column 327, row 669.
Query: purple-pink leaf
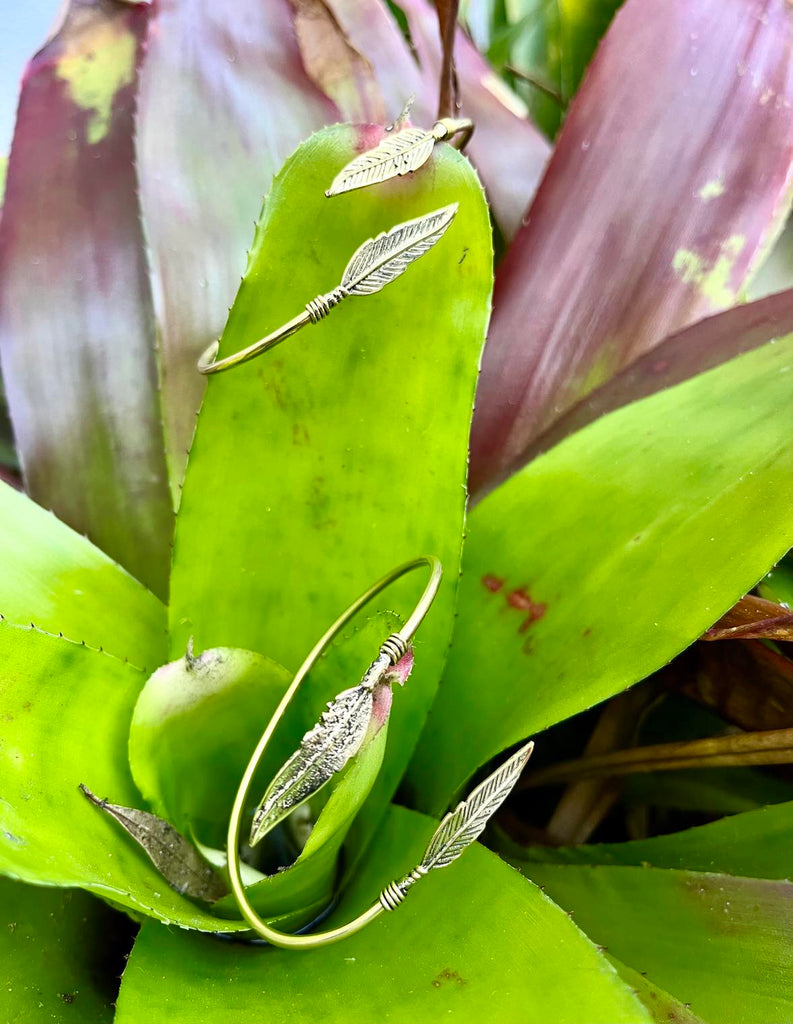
column 507, row 150
column 695, row 349
column 224, row 99
column 671, row 174
column 76, row 321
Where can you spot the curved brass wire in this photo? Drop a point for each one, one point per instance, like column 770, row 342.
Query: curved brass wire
column 452, row 128
column 392, row 646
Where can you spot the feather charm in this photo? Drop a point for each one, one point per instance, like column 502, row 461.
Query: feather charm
column 465, row 824
column 461, row 827
column 382, row 259
column 396, row 155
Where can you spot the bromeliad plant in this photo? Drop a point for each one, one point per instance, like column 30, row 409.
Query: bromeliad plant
column 631, row 470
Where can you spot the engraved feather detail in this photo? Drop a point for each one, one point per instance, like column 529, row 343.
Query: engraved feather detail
column 328, row 746
column 464, row 825
column 382, row 259
column 324, row 750
column 396, row 155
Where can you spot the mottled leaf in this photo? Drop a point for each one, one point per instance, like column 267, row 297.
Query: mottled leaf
column 177, row 860
column 700, row 347
column 76, row 320
column 719, row 944
column 224, row 99
column 608, row 555
column 59, row 581
column 639, row 227
column 449, row 953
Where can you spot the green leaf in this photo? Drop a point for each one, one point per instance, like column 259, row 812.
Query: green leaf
column 66, row 711
column 719, row 944
column 662, row 1007
column 554, row 43
column 77, row 331
column 756, row 844
column 322, row 465
column 57, row 962
column 607, row 556
column 195, row 726
column 778, row 584
column 449, row 953
column 59, row 581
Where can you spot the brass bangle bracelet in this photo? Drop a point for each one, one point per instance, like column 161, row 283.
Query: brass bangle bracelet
column 372, row 266
column 394, row 648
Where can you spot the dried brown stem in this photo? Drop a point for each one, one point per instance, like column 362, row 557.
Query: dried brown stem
column 748, row 748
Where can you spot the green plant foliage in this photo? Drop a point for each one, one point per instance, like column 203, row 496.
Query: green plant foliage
column 59, row 581
column 344, row 452
column 423, row 963
column 607, row 556
column 553, row 43
column 56, row 962
column 662, row 1007
column 193, row 731
column 756, row 844
column 66, row 711
column 717, row 943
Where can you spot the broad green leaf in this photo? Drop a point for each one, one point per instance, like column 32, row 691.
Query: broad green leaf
column 662, row 1007
column 57, row 959
column 639, row 228
column 695, row 349
column 77, row 332
column 756, row 844
column 608, row 555
column 322, row 465
column 472, row 942
column 195, row 726
column 66, row 711
column 235, row 79
column 59, row 581
column 719, row 944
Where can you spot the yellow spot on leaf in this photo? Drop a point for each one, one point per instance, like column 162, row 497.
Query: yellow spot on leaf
column 711, row 190
column 713, row 281
column 95, row 73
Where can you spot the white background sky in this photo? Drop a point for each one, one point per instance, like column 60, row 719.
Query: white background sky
column 25, row 27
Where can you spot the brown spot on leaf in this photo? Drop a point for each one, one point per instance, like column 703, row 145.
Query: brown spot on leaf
column 448, row 975
column 492, row 583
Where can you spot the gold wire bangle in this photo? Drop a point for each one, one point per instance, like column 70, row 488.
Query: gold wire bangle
column 394, row 647
column 453, row 127
column 373, row 265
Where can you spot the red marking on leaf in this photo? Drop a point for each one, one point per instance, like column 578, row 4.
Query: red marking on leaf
column 521, row 600
column 492, row 583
